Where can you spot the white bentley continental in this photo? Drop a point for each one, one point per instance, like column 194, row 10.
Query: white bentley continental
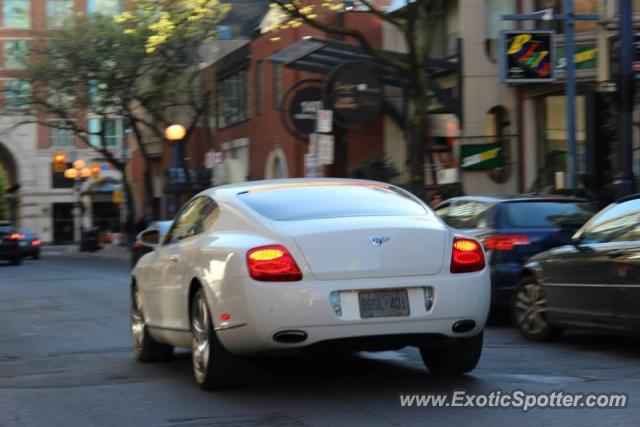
column 250, row 268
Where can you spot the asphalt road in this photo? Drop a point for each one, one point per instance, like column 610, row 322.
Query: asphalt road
column 65, row 360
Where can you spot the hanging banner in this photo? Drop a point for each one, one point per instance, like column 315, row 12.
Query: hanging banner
column 527, row 56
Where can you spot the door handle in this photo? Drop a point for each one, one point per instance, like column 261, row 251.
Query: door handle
column 175, row 258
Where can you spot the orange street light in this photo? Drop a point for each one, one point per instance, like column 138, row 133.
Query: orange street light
column 175, row 133
column 85, row 173
column 71, row 173
column 79, row 164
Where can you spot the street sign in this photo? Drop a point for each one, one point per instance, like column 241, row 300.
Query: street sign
column 325, row 149
column 481, row 156
column 527, row 56
column 311, row 166
column 324, row 123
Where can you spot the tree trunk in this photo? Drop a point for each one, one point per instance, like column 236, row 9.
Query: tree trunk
column 131, row 209
column 148, row 178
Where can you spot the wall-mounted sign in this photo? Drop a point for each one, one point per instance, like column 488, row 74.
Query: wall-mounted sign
column 354, row 91
column 527, row 56
column 480, row 156
column 324, row 123
column 301, row 104
column 586, row 57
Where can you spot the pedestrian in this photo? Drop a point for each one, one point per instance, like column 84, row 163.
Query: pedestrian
column 436, row 199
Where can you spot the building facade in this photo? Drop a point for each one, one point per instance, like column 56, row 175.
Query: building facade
column 41, row 199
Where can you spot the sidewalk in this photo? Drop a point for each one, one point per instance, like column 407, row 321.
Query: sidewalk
column 107, row 251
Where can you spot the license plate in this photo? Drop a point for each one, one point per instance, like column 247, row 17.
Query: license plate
column 383, row 303
column 22, row 243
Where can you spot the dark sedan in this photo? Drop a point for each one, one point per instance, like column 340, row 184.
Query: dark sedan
column 514, row 229
column 594, row 282
column 29, row 244
column 9, row 250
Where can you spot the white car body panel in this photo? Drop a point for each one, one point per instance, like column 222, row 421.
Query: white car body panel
column 333, row 255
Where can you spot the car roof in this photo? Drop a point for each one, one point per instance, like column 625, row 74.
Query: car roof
column 231, row 190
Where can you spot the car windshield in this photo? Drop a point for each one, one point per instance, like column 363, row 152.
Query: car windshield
column 547, row 214
column 315, row 201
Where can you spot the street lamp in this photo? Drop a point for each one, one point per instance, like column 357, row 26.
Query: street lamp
column 175, row 134
column 78, row 173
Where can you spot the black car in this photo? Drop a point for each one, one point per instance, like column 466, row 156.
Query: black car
column 593, row 282
column 9, row 249
column 140, row 250
column 514, row 228
column 29, row 244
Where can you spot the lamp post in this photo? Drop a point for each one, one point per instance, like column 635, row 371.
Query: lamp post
column 175, row 134
column 78, row 173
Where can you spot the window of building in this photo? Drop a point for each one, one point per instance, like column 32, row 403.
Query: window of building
column 58, row 12
column 61, row 134
column 259, row 88
column 277, row 86
column 17, row 94
column 113, row 132
column 445, row 31
column 15, row 54
column 105, row 7
column 16, row 13
column 494, row 24
column 554, row 136
column 580, row 7
column 233, row 99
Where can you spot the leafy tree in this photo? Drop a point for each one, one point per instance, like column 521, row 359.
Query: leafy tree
column 140, row 65
column 413, row 23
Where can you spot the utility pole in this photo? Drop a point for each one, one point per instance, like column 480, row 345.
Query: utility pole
column 568, row 17
column 624, row 181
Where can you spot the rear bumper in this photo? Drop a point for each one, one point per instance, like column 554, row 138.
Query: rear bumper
column 9, row 252
column 264, row 309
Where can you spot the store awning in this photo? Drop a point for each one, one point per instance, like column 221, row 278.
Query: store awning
column 321, row 56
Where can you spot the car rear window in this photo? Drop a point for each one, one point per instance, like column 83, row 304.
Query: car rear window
column 308, row 201
column 546, row 214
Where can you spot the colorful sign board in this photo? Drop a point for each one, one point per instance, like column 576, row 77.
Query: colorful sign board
column 481, row 156
column 527, row 56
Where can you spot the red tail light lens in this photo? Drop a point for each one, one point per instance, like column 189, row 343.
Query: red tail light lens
column 16, row 236
column 505, row 242
column 272, row 263
column 467, row 256
column 36, row 243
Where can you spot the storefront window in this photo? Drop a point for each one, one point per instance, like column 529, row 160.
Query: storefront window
column 555, row 136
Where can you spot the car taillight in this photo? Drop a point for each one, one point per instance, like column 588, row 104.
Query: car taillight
column 16, row 236
column 505, row 242
column 467, row 256
column 137, row 245
column 272, row 263
column 36, row 243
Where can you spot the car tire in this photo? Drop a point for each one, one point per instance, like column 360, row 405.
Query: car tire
column 36, row 256
column 213, row 366
column 528, row 309
column 457, row 358
column 145, row 348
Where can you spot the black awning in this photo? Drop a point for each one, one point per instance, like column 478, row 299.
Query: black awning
column 321, row 56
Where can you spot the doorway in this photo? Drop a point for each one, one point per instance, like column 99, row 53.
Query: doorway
column 63, row 223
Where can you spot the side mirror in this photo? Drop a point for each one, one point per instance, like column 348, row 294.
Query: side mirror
column 149, row 238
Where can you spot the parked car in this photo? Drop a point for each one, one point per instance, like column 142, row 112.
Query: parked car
column 300, row 264
column 513, row 229
column 594, row 282
column 29, row 244
column 9, row 249
column 139, row 249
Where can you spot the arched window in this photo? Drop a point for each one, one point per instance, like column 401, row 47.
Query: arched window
column 276, row 166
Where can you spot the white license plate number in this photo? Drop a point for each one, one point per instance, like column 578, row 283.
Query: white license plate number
column 390, row 303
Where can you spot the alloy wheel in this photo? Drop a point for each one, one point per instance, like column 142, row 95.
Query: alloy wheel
column 138, row 324
column 530, row 309
column 200, row 333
